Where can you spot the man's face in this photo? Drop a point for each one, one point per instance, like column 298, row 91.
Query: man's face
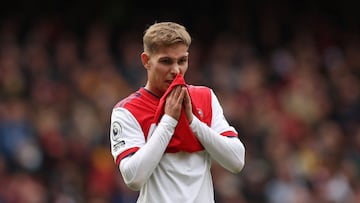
column 163, row 66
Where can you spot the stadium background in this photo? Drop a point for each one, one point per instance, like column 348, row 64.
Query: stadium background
column 286, row 72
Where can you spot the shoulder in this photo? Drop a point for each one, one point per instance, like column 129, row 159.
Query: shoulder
column 199, row 89
column 202, row 92
column 128, row 100
column 140, row 104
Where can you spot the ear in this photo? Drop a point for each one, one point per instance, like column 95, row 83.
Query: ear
column 145, row 58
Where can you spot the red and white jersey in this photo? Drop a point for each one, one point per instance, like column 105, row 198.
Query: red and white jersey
column 180, row 176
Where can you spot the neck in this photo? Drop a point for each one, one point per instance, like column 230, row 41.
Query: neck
column 148, row 89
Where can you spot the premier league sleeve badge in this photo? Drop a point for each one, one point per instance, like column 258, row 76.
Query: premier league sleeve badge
column 116, row 134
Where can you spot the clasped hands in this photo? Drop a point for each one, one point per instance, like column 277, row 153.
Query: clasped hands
column 177, row 99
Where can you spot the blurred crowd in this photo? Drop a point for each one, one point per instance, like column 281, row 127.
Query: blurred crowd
column 291, row 87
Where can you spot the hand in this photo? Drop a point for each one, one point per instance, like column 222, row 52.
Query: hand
column 188, row 105
column 174, row 102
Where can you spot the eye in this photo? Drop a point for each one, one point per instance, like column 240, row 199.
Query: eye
column 166, row 61
column 182, row 61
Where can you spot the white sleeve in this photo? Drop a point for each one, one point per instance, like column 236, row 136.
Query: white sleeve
column 137, row 168
column 125, row 132
column 227, row 151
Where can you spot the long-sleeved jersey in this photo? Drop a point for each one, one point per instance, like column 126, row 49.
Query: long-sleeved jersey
column 141, row 148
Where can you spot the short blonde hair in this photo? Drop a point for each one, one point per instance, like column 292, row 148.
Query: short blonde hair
column 164, row 34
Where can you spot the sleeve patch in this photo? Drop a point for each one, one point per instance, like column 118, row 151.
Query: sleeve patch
column 116, row 136
column 116, row 131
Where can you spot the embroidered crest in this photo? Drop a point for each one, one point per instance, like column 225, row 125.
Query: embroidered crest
column 200, row 112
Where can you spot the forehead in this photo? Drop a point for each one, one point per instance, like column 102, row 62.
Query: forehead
column 173, row 51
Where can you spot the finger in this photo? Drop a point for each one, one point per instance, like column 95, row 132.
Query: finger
column 186, row 96
column 181, row 96
column 174, row 92
column 176, row 96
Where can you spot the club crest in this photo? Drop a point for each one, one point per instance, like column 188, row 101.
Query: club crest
column 200, row 112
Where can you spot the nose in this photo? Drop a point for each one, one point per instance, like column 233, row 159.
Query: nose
column 175, row 69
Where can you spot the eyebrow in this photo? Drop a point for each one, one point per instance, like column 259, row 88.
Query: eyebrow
column 168, row 57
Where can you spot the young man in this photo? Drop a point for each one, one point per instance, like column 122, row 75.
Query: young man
column 164, row 135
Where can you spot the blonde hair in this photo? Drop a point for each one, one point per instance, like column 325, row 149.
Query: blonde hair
column 164, row 34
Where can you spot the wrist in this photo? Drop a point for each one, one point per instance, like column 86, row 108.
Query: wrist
column 191, row 119
column 169, row 120
column 192, row 123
